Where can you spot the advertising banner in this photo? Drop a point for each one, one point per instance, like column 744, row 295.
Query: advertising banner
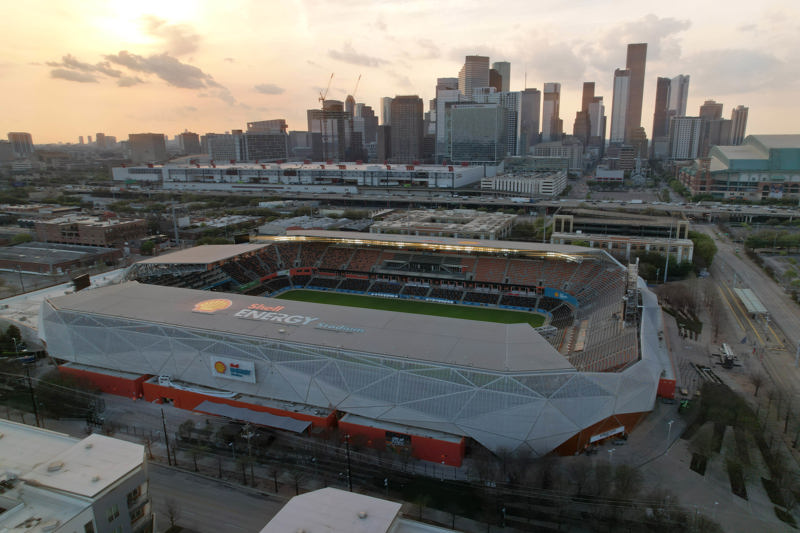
column 225, row 367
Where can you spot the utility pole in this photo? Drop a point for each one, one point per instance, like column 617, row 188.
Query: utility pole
column 166, row 437
column 33, row 394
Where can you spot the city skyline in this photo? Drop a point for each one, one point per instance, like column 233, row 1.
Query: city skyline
column 75, row 69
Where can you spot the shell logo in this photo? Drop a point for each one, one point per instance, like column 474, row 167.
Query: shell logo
column 220, row 367
column 211, row 306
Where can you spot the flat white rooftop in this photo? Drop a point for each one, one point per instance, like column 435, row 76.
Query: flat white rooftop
column 206, row 254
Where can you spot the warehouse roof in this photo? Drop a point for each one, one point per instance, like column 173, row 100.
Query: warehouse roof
column 484, row 345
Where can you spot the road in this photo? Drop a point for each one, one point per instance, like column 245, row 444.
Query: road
column 207, row 505
column 732, row 268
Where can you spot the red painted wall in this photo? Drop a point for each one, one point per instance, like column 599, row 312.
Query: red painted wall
column 425, row 448
column 153, row 392
column 580, row 440
column 666, row 388
column 131, row 388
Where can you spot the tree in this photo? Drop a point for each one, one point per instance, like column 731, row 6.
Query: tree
column 704, row 250
column 20, row 238
column 147, row 248
column 185, row 429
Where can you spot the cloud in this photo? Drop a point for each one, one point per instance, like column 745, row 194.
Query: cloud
column 429, row 49
column 229, row 60
column 72, row 75
column 179, row 39
column 72, row 63
column 129, row 81
column 558, row 63
column 400, row 80
column 735, row 71
column 166, row 67
column 380, row 24
column 268, row 88
column 348, row 54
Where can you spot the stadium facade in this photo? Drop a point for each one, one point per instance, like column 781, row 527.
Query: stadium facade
column 422, row 383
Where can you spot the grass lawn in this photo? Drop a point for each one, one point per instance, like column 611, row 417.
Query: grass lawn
column 485, row 314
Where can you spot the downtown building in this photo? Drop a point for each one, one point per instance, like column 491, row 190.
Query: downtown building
column 147, row 147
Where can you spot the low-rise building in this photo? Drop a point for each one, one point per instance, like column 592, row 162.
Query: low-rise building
column 528, row 183
column 338, row 511
column 57, row 483
column 457, row 223
column 298, row 176
column 90, row 231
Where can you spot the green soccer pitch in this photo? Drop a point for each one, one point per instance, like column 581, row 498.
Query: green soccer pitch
column 468, row 312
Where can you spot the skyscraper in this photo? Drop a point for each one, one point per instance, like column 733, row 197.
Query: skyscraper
column 684, row 137
column 407, row 128
column 474, row 74
column 552, row 126
column 597, row 118
column 619, row 105
column 277, row 125
column 530, row 106
column 661, row 112
column 189, row 142
column 715, row 129
column 331, row 125
column 582, row 127
column 503, row 68
column 147, row 147
column 635, row 64
column 100, row 140
column 21, row 143
column 386, row 110
column 711, row 110
column 478, row 133
column 738, row 124
column 678, row 95
column 446, row 93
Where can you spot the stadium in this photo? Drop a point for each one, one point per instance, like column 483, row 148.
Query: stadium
column 207, row 329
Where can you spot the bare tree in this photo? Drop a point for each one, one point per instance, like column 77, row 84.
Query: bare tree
column 173, row 512
column 757, row 379
column 273, row 472
column 297, row 476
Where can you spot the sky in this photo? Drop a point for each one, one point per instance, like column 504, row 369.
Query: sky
column 77, row 67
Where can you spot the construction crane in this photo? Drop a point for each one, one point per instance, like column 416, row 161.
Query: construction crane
column 323, row 122
column 356, row 89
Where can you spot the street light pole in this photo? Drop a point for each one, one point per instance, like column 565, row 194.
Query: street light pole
column 347, row 447
column 22, row 285
column 669, row 430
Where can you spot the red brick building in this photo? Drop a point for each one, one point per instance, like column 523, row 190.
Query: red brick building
column 91, row 231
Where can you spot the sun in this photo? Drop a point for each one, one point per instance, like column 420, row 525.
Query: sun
column 127, row 21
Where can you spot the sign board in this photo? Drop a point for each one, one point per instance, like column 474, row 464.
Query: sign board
column 606, row 434
column 225, row 367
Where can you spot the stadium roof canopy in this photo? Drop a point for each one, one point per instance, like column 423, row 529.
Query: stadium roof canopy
column 448, row 341
column 493, row 246
column 209, row 253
